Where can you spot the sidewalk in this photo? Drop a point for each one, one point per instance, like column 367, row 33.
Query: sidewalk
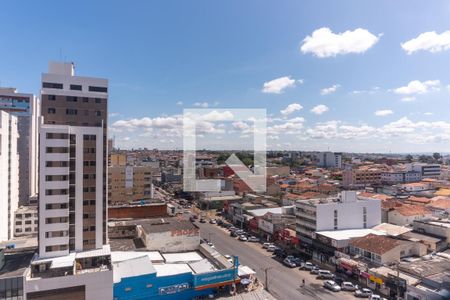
column 259, row 294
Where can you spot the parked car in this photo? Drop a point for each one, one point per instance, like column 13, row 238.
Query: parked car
column 219, row 222
column 243, row 238
column 279, row 253
column 240, row 232
column 202, row 220
column 212, row 221
column 232, row 228
column 315, row 270
column 375, row 297
column 253, row 239
column 266, row 245
column 331, row 285
column 348, row 286
column 287, row 262
column 325, row 274
column 363, row 293
column 307, row 266
column 272, row 248
column 233, row 234
column 297, row 261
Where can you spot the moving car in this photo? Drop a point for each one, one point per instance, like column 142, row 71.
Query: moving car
column 287, row 262
column 363, row 293
column 348, row 286
column 307, row 266
column 315, row 270
column 325, row 274
column 331, row 285
column 243, row 238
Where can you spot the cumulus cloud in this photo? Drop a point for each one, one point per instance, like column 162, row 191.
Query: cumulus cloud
column 383, row 113
column 329, row 90
column 201, row 104
column 278, row 85
column 428, row 113
column 428, row 41
column 408, row 99
column 324, row 43
column 179, row 103
column 291, row 108
column 418, row 87
column 319, row 109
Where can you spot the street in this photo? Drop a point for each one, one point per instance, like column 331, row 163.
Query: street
column 283, row 282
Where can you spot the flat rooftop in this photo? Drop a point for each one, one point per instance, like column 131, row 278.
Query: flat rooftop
column 16, row 264
column 349, row 233
column 159, row 224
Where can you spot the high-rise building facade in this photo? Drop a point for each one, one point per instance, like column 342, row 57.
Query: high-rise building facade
column 73, row 162
column 26, row 108
column 9, row 174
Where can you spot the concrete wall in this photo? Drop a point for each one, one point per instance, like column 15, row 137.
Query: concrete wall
column 137, row 212
column 171, row 242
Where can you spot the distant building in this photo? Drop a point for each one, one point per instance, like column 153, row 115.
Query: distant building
column 406, row 214
column 393, row 177
column 360, row 177
column 129, row 183
column 427, row 170
column 9, row 174
column 329, row 159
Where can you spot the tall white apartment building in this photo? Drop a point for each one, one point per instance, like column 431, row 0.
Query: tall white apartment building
column 73, row 162
column 9, row 174
column 26, row 108
column 346, row 211
column 329, row 159
column 426, row 170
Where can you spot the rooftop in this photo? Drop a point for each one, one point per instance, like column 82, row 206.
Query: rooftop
column 348, row 233
column 15, row 264
column 391, row 229
column 378, row 244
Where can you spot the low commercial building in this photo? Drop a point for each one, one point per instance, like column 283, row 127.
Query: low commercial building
column 434, row 227
column 394, row 177
column 150, row 275
column 406, row 214
column 379, row 249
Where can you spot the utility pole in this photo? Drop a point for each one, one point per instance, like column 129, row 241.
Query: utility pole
column 266, row 285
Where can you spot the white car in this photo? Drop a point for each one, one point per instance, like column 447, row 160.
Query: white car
column 271, row 248
column 331, row 285
column 375, row 297
column 266, row 245
column 243, row 238
column 363, row 293
column 348, row 286
column 325, row 274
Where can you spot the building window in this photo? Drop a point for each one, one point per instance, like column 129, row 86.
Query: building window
column 71, row 99
column 75, row 87
column 51, row 111
column 52, row 85
column 98, row 100
column 71, row 111
column 52, row 97
column 99, row 89
column 85, row 99
column 98, row 113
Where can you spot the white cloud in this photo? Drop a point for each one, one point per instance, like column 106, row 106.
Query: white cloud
column 179, row 103
column 291, row 108
column 319, row 109
column 408, row 99
column 428, row 41
column 113, row 115
column 278, row 85
column 330, row 90
column 428, row 114
column 201, row 104
column 383, row 113
column 418, row 87
column 324, row 43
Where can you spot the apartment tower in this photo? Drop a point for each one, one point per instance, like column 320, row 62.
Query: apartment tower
column 73, row 162
column 26, row 108
column 9, row 174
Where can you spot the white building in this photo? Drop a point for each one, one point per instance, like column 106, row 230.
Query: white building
column 427, row 170
column 393, row 177
column 73, row 162
column 329, row 159
column 346, row 211
column 26, row 108
column 9, row 174
column 26, row 221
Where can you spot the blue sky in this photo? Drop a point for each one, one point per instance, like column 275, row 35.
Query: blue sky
column 160, row 53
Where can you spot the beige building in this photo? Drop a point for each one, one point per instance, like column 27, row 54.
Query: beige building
column 129, row 183
column 117, row 159
column 361, row 177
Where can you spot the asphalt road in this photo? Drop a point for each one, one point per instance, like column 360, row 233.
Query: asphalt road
column 283, row 282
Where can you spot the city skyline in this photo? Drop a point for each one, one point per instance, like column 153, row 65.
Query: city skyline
column 343, row 84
